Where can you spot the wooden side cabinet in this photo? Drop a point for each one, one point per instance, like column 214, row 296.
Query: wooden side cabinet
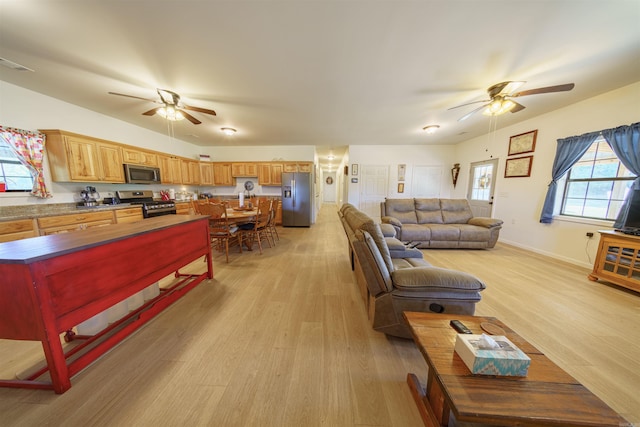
column 618, row 260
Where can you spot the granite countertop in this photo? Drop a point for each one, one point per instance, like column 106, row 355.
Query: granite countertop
column 10, row 213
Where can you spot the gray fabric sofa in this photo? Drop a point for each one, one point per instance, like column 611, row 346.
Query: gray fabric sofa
column 439, row 223
column 391, row 284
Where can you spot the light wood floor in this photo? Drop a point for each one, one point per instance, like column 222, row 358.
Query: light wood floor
column 282, row 339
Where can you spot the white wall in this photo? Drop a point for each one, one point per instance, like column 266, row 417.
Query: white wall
column 519, row 201
column 394, row 155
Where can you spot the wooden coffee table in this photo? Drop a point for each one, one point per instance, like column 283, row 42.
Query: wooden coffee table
column 546, row 396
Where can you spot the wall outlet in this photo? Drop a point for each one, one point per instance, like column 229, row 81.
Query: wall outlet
column 589, row 234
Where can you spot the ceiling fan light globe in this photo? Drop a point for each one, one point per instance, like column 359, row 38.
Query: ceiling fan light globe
column 498, row 107
column 170, row 113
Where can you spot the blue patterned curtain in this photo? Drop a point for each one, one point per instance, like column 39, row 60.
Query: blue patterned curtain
column 625, row 143
column 568, row 152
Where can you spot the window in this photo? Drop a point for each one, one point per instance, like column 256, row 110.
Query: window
column 13, row 173
column 597, row 184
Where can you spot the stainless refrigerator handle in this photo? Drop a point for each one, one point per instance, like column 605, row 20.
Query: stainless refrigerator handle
column 293, row 190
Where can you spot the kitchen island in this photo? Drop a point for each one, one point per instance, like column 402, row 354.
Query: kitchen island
column 52, row 283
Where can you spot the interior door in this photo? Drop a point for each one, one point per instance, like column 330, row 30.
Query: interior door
column 481, row 187
column 373, row 188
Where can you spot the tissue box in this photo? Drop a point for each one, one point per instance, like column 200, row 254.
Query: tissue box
column 507, row 360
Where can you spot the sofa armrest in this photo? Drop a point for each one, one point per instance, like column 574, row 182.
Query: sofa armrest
column 435, row 277
column 391, row 220
column 485, row 222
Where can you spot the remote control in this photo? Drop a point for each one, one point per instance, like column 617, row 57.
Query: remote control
column 459, row 326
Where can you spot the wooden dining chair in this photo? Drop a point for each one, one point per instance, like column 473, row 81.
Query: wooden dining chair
column 258, row 229
column 272, row 221
column 220, row 230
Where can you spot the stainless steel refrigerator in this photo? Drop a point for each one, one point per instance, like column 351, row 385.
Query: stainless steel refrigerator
column 296, row 199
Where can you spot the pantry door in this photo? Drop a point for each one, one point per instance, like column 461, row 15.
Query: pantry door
column 373, row 188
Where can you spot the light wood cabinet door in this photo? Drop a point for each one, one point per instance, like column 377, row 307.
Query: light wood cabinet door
column 139, row 157
column 276, row 174
column 244, row 169
column 206, row 173
column 76, row 158
column 111, row 163
column 128, row 215
column 290, row 167
column 185, row 172
column 17, row 230
column 170, row 170
column 72, row 222
column 194, row 171
column 222, row 174
column 270, row 174
column 183, row 208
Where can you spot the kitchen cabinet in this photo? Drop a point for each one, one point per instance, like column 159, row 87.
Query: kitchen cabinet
column 244, row 169
column 128, row 215
column 170, row 169
column 139, row 157
column 297, row 167
column 17, row 230
column 206, row 174
column 78, row 158
column 222, row 174
column 183, row 208
column 190, row 171
column 72, row 222
column 270, row 174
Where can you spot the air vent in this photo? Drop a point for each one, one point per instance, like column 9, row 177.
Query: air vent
column 13, row 65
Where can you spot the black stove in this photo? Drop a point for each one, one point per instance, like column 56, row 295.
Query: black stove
column 150, row 207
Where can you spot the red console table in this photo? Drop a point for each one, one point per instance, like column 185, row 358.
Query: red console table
column 50, row 284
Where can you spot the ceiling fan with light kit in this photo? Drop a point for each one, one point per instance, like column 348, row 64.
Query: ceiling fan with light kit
column 500, row 98
column 171, row 107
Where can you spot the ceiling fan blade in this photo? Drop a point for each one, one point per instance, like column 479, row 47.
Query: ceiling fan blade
column 468, row 103
column 168, row 97
column 518, row 107
column 134, row 97
column 198, row 109
column 471, row 113
column 190, row 117
column 151, row 112
column 548, row 89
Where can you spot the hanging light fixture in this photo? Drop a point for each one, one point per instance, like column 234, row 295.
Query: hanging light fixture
column 228, row 131
column 169, row 112
column 498, row 106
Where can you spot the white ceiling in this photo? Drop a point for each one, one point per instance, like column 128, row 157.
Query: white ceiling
column 319, row 72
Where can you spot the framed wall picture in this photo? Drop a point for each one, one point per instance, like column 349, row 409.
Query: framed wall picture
column 523, row 143
column 354, row 169
column 401, row 187
column 519, row 167
column 402, row 169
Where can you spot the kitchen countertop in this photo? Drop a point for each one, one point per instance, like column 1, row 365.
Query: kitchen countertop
column 10, row 213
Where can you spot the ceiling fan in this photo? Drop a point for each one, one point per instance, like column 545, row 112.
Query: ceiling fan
column 500, row 98
column 171, row 107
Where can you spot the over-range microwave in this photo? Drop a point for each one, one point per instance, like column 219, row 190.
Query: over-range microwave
column 136, row 174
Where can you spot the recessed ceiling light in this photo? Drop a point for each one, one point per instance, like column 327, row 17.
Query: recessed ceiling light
column 228, row 131
column 431, row 128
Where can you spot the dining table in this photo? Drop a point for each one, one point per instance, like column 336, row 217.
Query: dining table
column 241, row 216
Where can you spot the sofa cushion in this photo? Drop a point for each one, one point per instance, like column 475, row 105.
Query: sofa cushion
column 401, row 209
column 416, row 279
column 444, row 232
column 380, row 263
column 485, row 222
column 455, row 211
column 374, row 230
column 406, row 253
column 474, row 233
column 388, row 230
column 400, row 263
column 415, row 233
column 428, row 211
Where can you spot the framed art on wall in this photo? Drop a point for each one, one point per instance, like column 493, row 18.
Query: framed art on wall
column 354, row 169
column 401, row 187
column 520, row 167
column 523, row 143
